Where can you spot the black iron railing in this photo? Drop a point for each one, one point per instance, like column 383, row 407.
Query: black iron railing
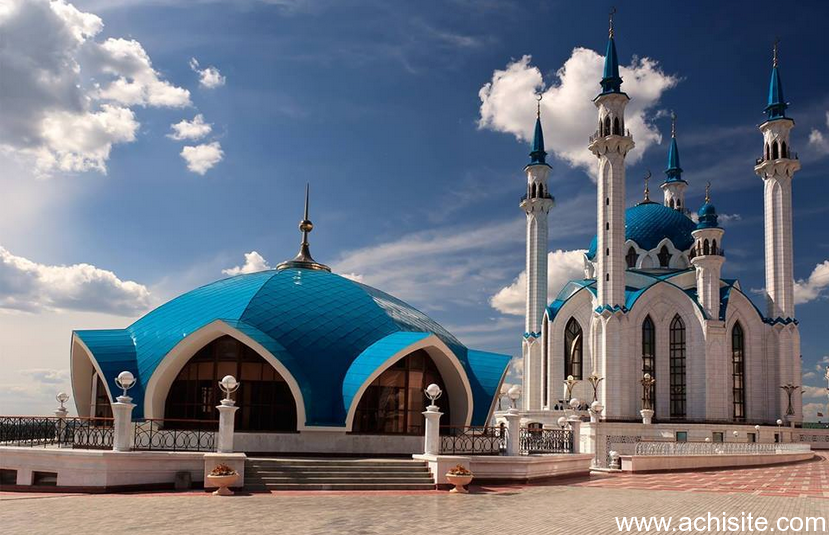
column 546, row 441
column 31, row 431
column 463, row 440
column 175, row 435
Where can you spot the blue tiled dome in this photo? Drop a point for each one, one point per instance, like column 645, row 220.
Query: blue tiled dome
column 648, row 223
column 707, row 216
column 315, row 322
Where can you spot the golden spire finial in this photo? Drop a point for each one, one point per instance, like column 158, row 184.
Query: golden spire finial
column 708, row 192
column 538, row 97
column 647, row 189
column 303, row 259
column 776, row 43
column 610, row 31
column 673, row 124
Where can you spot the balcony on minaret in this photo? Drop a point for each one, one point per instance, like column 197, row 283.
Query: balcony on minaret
column 704, row 247
column 776, row 151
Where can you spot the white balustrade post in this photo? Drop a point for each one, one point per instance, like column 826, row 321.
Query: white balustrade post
column 647, row 416
column 431, row 442
column 227, row 421
column 122, row 412
column 513, row 418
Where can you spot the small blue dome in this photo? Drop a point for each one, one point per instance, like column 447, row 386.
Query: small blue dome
column 707, row 216
column 648, row 223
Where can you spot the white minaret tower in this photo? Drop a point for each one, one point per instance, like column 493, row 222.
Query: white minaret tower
column 707, row 257
column 611, row 144
column 536, row 203
column 777, row 168
column 674, row 186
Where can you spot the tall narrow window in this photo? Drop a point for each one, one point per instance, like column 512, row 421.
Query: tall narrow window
column 649, row 355
column 631, row 257
column 677, row 364
column 738, row 372
column 546, row 358
column 572, row 349
column 664, row 257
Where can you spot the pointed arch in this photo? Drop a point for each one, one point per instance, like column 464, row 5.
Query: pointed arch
column 705, row 247
column 766, row 151
column 774, row 150
column 714, row 247
column 738, row 387
column 631, row 257
column 678, row 368
column 607, row 125
column 616, row 130
column 664, row 257
column 573, row 349
column 649, row 355
column 783, row 150
column 671, row 203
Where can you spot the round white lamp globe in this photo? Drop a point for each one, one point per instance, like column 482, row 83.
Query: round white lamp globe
column 562, row 421
column 229, row 383
column 433, row 392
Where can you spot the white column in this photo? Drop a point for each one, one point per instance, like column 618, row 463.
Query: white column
column 61, row 415
column 122, row 413
column 227, row 418
column 431, row 442
column 513, row 419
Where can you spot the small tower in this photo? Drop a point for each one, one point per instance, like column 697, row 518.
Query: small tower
column 707, row 257
column 777, row 167
column 536, row 204
column 610, row 144
column 674, row 185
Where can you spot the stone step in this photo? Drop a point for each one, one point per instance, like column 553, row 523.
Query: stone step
column 270, row 480
column 337, row 469
column 342, row 486
column 335, row 462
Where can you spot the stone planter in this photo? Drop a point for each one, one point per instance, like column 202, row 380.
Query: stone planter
column 223, row 482
column 459, row 482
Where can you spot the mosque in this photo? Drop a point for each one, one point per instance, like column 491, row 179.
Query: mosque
column 323, row 362
column 653, row 299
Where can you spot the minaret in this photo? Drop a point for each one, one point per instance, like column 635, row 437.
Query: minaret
column 536, row 204
column 611, row 144
column 707, row 257
column 674, row 186
column 777, row 168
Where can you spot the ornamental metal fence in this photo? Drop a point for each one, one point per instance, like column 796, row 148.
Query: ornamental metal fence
column 546, row 441
column 467, row 440
column 717, row 448
column 175, row 435
column 33, row 431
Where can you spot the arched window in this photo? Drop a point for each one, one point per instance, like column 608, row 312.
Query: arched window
column 607, row 125
column 664, row 257
column 714, row 247
column 672, row 203
column 102, row 408
column 705, row 249
column 766, row 151
column 774, row 150
column 393, row 403
column 546, row 362
column 678, row 204
column 631, row 257
column 677, row 365
column 738, row 387
column 649, row 354
column 783, row 150
column 616, row 129
column 573, row 349
column 264, row 399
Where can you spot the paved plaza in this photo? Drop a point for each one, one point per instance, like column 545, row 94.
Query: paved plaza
column 568, row 507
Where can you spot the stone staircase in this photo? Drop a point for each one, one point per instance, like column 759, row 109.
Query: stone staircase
column 285, row 473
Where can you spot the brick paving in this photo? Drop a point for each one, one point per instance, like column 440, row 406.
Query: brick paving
column 568, row 507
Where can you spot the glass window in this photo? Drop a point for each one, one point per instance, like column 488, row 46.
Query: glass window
column 738, row 372
column 264, row 398
column 664, row 257
column 649, row 355
column 631, row 257
column 682, row 436
column 677, row 365
column 545, row 357
column 718, row 436
column 103, row 408
column 573, row 349
column 393, row 403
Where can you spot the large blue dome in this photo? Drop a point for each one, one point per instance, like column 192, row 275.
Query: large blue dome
column 314, row 322
column 648, row 223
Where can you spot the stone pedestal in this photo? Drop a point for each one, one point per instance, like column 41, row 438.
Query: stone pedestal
column 224, row 438
column 647, row 416
column 431, row 441
column 122, row 432
column 513, row 418
column 61, row 414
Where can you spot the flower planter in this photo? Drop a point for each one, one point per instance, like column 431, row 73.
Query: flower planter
column 459, row 482
column 223, row 482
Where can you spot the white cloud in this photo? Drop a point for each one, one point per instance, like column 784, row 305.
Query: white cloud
column 29, row 286
column 822, row 364
column 809, row 375
column 209, row 77
column 810, row 411
column 66, row 96
column 47, row 375
column 202, row 158
column 253, row 263
column 195, row 129
column 818, row 140
column 563, row 266
column 812, row 392
column 568, row 113
column 812, row 288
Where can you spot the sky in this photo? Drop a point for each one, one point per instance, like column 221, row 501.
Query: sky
column 148, row 147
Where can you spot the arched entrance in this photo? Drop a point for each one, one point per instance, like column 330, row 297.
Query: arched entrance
column 394, row 401
column 264, row 398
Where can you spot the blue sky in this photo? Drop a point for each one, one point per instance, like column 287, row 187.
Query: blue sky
column 414, row 161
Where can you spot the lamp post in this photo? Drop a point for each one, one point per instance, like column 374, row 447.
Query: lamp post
column 780, row 429
column 61, row 413
column 647, row 398
column 122, row 413
column 594, row 381
column 432, row 414
column 789, row 389
column 569, row 384
column 227, row 411
column 757, row 430
column 501, row 395
column 513, row 418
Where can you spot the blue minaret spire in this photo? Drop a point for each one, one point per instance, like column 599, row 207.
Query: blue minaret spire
column 674, row 171
column 611, row 82
column 538, row 156
column 776, row 107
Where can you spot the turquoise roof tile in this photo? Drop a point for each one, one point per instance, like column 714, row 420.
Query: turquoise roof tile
column 648, row 223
